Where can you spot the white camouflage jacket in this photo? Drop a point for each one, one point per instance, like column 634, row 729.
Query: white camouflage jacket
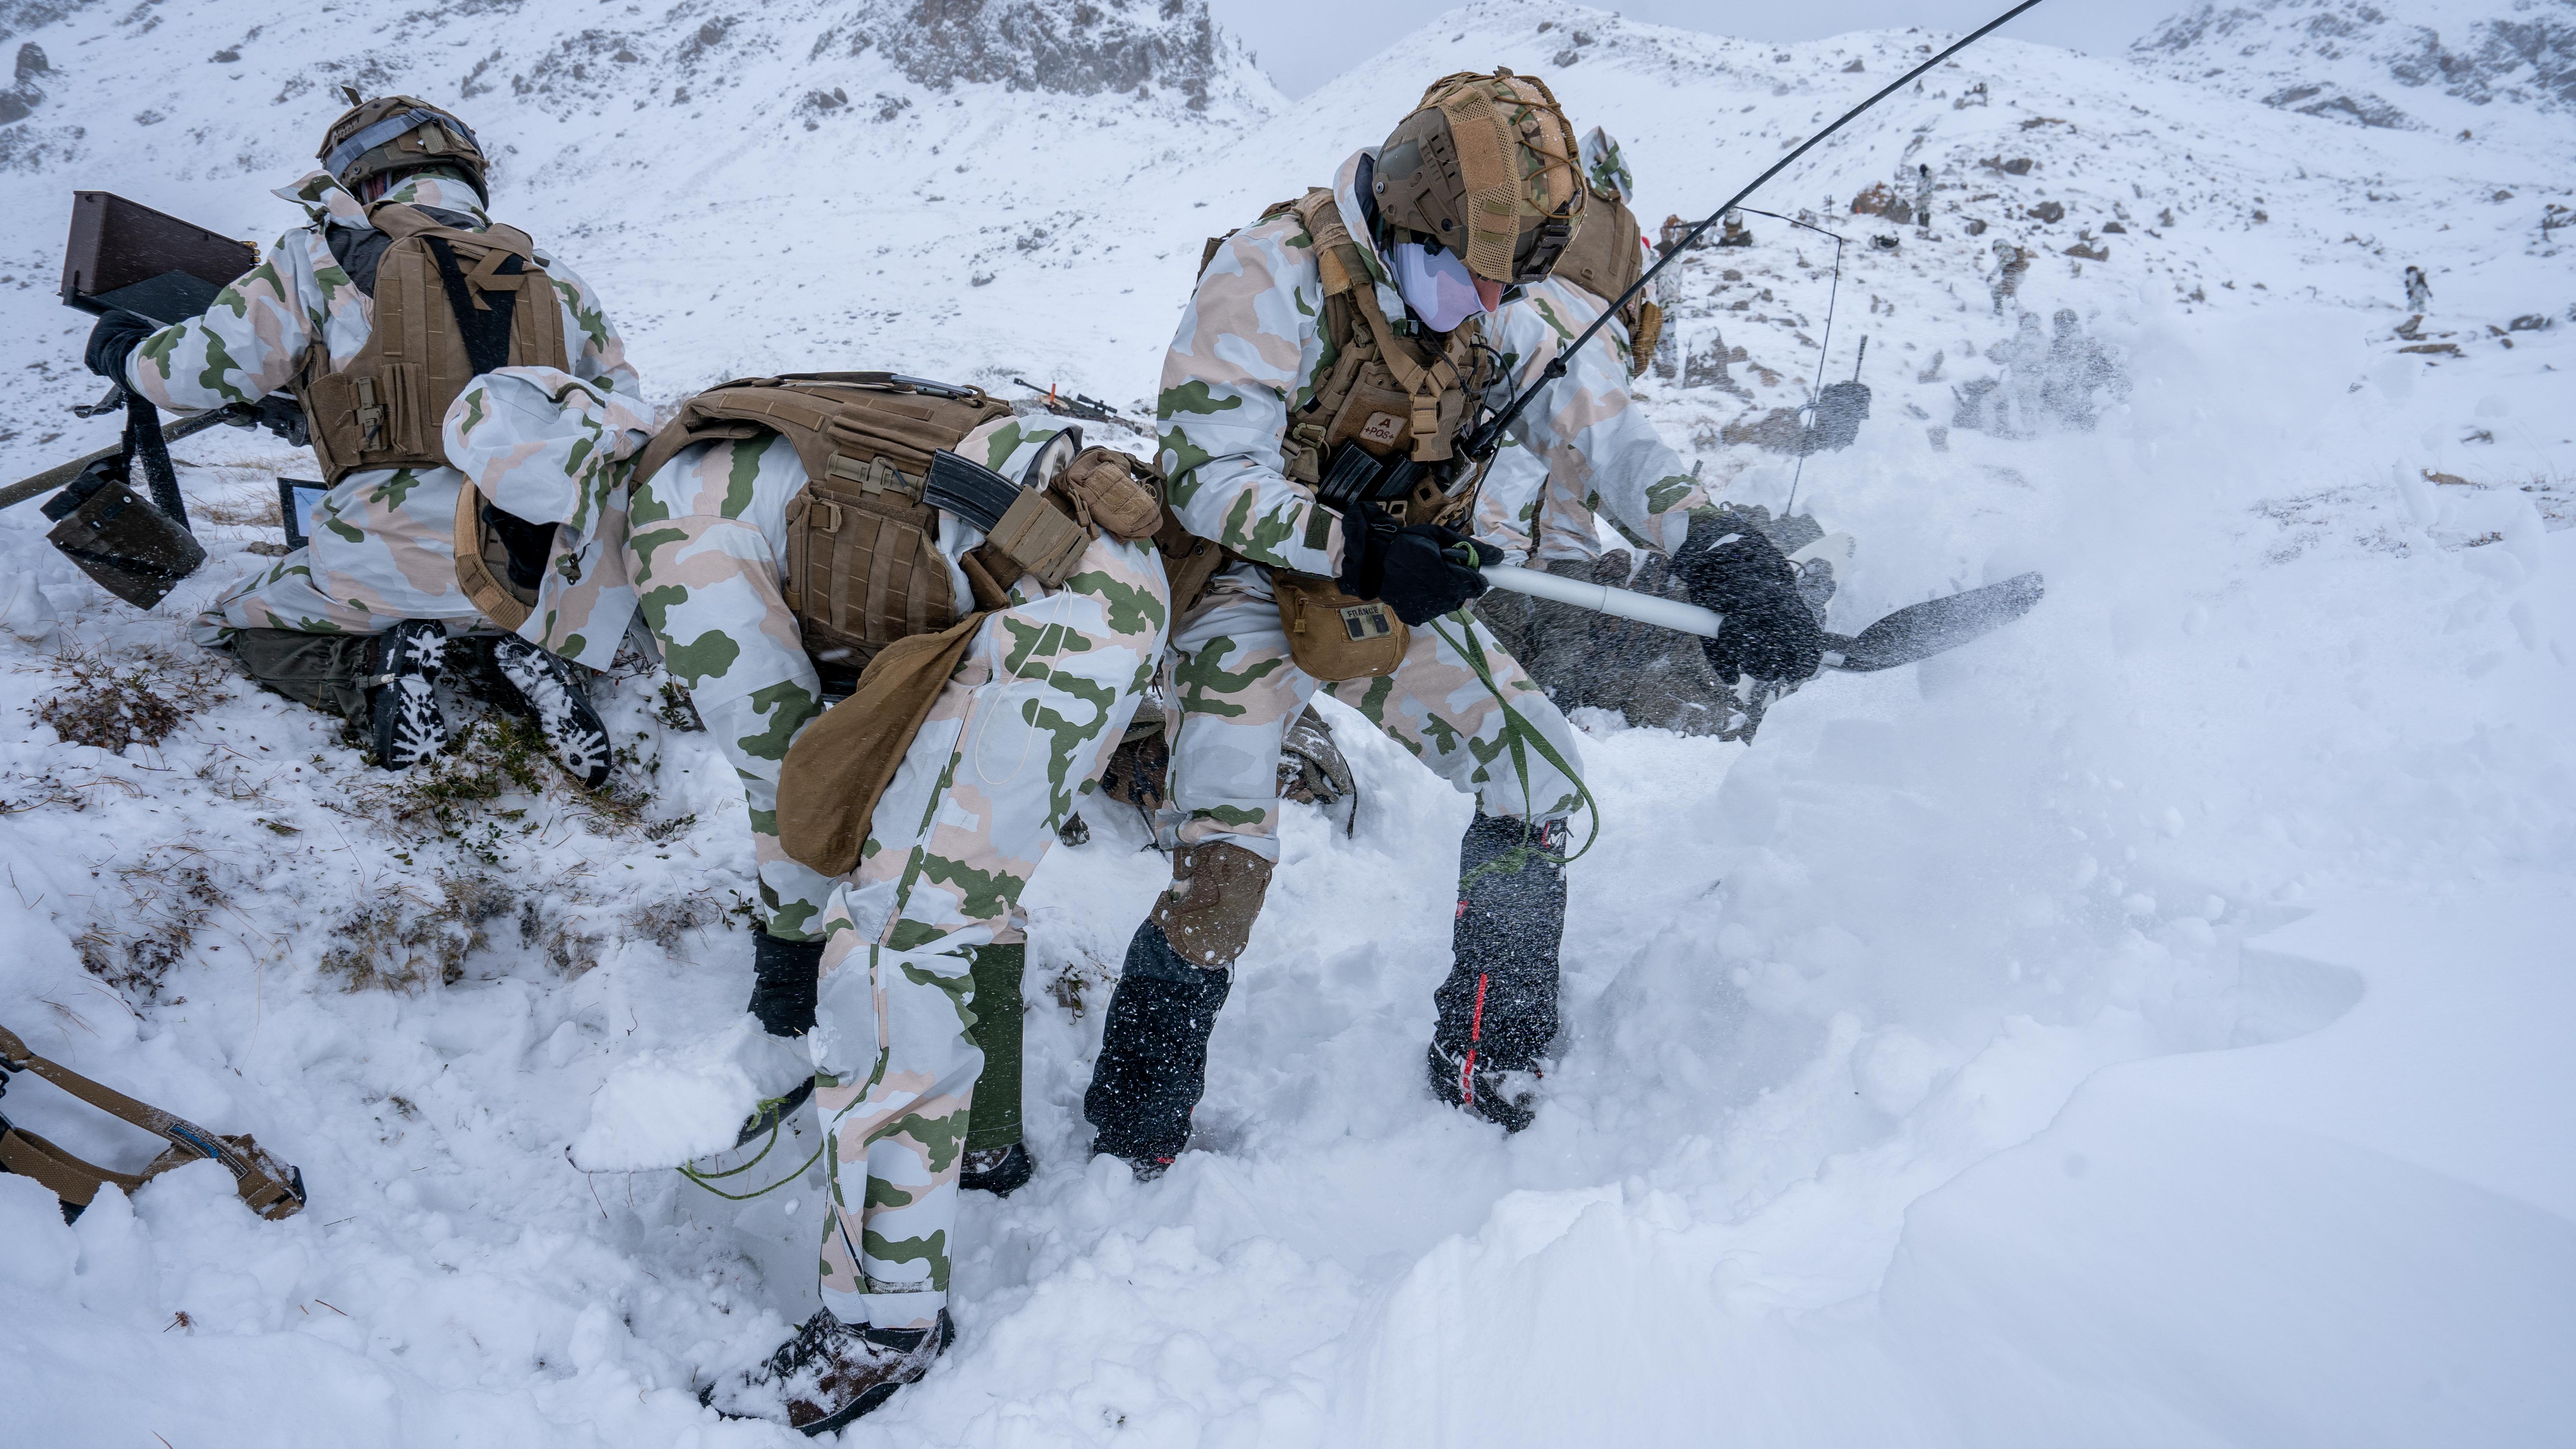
column 1249, row 350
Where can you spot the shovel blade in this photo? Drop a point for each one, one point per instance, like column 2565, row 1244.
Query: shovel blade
column 1919, row 631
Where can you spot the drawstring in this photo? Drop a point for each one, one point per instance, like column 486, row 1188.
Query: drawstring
column 1516, row 731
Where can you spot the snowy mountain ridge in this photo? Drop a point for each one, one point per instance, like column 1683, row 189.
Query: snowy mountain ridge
column 2335, row 58
column 2133, row 1029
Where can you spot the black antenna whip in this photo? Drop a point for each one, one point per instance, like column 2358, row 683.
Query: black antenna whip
column 1487, row 435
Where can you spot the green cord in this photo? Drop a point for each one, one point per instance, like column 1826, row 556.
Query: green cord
column 708, row 1180
column 1515, row 731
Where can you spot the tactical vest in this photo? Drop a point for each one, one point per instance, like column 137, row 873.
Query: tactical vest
column 1388, row 392
column 448, row 308
column 1606, row 259
column 863, row 564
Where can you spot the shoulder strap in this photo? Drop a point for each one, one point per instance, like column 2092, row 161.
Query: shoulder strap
column 1346, row 277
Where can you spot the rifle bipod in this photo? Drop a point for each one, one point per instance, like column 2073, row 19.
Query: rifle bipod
column 273, row 1189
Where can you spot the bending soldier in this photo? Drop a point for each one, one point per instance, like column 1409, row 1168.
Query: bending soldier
column 398, row 290
column 1551, row 516
column 788, row 533
column 1360, row 316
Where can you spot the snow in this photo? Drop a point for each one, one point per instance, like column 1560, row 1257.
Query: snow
column 2137, row 1027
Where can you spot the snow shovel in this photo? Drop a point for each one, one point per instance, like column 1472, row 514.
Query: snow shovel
column 272, row 1188
column 1917, row 631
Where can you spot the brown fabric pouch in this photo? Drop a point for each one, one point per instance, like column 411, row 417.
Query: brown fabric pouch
column 1120, row 494
column 1333, row 635
column 839, row 767
column 1215, row 896
column 1189, row 563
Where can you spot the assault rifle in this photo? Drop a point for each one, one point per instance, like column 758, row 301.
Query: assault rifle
column 124, row 256
column 1355, row 477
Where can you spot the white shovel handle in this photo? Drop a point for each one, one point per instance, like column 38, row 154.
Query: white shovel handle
column 1601, row 598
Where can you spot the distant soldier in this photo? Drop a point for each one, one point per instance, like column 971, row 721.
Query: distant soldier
column 1345, row 331
column 2012, row 263
column 2419, row 291
column 377, row 312
column 793, row 544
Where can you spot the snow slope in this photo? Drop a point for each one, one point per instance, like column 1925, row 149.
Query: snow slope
column 2136, row 1028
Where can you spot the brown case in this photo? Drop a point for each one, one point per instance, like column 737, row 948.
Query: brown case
column 124, row 255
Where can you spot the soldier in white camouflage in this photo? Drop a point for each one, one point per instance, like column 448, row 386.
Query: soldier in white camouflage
column 1547, row 518
column 877, row 969
column 1355, row 318
column 356, row 622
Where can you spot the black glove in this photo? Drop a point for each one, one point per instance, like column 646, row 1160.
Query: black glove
column 1769, row 633
column 113, row 340
column 1420, row 571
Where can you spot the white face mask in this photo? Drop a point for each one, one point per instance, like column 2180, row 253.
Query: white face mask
column 1438, row 288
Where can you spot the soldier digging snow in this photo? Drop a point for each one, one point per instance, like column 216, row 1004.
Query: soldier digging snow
column 1359, row 317
column 1550, row 520
column 786, row 533
column 399, row 289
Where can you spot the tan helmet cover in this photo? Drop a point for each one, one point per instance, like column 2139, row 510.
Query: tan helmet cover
column 399, row 133
column 1492, row 157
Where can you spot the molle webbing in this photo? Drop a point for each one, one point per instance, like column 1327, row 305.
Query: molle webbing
column 1383, row 391
column 445, row 309
column 863, row 570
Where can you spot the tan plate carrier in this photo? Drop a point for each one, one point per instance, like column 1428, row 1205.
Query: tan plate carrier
column 384, row 407
column 271, row 1188
column 865, row 578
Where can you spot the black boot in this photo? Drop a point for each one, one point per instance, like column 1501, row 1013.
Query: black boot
column 1497, row 1010
column 552, row 692
column 402, row 694
column 1153, row 1054
column 785, row 976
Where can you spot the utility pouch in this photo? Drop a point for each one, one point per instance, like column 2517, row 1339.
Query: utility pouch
column 1119, row 493
column 134, row 550
column 1190, row 563
column 1335, row 636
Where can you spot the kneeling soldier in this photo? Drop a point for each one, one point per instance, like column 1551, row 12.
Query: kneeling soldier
column 982, row 587
column 377, row 313
column 1349, row 329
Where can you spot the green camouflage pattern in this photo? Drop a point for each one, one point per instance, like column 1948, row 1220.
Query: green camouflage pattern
column 382, row 547
column 1552, row 499
column 1235, row 689
column 540, row 443
column 1022, row 730
column 1250, row 349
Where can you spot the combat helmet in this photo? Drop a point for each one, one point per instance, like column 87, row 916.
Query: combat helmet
column 1486, row 166
column 398, row 133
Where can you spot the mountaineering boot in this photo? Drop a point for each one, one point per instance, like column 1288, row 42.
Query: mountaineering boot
column 995, row 1159
column 1153, row 1055
column 560, row 703
column 785, row 977
column 1000, row 1171
column 402, row 694
column 830, row 1373
column 1497, row 1009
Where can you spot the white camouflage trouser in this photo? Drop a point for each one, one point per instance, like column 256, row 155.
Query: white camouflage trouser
column 1235, row 689
column 1024, row 727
